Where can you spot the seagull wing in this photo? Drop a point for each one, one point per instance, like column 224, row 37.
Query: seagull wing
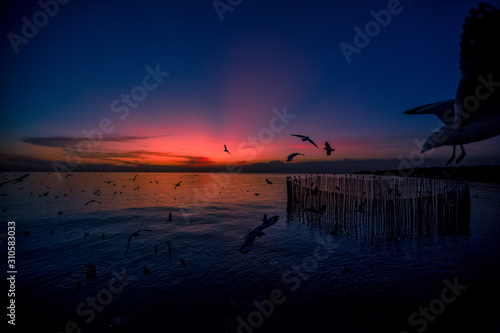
column 327, row 145
column 128, row 243
column 134, row 234
column 479, row 54
column 444, row 110
column 247, row 244
column 311, row 141
column 298, row 135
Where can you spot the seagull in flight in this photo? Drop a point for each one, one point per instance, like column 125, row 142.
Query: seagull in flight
column 14, row 181
column 135, row 234
column 178, row 184
column 474, row 114
column 291, row 156
column 227, row 151
column 93, row 201
column 304, row 139
column 134, row 178
column 257, row 232
column 328, row 148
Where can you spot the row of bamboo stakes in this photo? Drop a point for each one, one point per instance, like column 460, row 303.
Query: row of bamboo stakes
column 379, row 207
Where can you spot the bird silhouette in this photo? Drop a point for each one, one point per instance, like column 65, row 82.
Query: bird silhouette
column 291, row 156
column 169, row 248
column 257, row 232
column 93, row 201
column 305, row 138
column 227, row 151
column 14, row 181
column 133, row 179
column 328, row 148
column 269, row 182
column 177, row 185
column 474, row 114
column 134, row 234
column 346, row 270
column 91, row 271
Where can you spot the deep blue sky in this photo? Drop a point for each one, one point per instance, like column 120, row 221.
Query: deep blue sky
column 226, row 77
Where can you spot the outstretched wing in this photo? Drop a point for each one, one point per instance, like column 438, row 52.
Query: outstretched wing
column 444, row 110
column 480, row 53
column 128, row 243
column 298, row 135
column 311, row 141
column 327, row 145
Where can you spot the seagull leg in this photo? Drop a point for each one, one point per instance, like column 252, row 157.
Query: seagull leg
column 452, row 156
column 462, row 155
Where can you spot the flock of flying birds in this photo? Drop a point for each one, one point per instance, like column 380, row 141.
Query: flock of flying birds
column 91, row 270
column 304, row 138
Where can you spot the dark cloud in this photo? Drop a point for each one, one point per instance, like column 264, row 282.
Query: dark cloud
column 65, row 141
column 138, row 157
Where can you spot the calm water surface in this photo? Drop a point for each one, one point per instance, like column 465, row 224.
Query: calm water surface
column 358, row 286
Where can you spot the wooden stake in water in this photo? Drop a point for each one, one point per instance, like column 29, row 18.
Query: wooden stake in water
column 375, row 207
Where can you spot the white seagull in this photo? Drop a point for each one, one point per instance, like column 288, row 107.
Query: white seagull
column 328, row 148
column 474, row 114
column 304, row 139
column 291, row 156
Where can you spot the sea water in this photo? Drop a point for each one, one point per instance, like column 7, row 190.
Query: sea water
column 296, row 278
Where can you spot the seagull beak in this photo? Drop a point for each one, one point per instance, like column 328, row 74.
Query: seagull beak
column 428, row 144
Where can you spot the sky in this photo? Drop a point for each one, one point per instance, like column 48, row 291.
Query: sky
column 169, row 83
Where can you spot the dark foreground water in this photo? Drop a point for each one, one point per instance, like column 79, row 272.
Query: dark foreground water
column 296, row 278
